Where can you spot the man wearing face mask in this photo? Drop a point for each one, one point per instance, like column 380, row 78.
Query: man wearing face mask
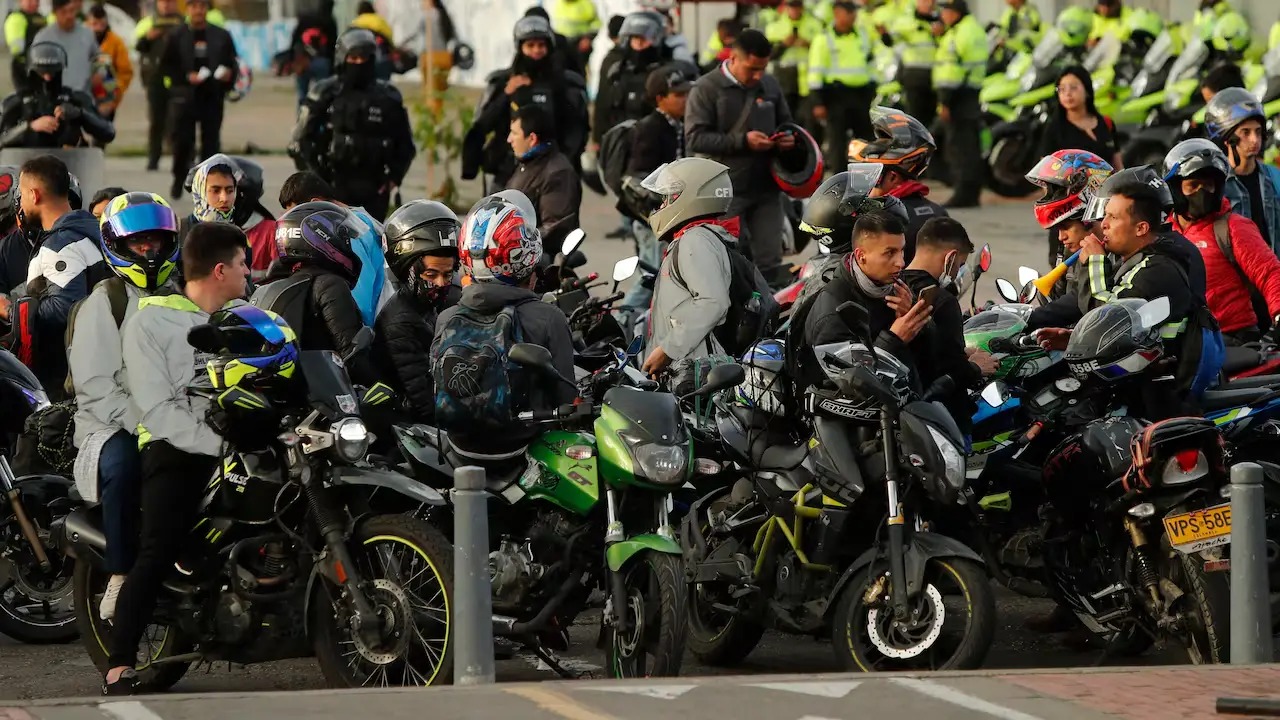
column 354, row 130
column 48, row 114
column 1236, row 121
column 422, row 254
column 622, row 93
column 1242, row 273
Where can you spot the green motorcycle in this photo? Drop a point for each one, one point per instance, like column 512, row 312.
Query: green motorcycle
column 1115, row 66
column 1168, row 111
column 586, row 507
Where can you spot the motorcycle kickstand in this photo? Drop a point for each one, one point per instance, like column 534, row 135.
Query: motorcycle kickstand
column 553, row 662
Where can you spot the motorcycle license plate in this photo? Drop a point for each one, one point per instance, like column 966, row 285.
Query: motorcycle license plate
column 1199, row 529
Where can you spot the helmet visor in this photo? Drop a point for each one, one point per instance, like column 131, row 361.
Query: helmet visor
column 661, row 182
column 1095, row 209
column 142, row 218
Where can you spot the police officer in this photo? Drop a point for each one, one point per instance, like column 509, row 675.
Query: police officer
column 792, row 33
column 840, row 80
column 957, row 76
column 20, row 29
column 914, row 34
column 48, row 114
column 354, row 131
column 622, row 94
column 200, row 66
column 1020, row 26
column 578, row 21
column 152, row 41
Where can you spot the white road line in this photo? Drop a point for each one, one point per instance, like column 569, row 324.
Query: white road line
column 821, row 689
column 661, row 692
column 951, row 695
column 128, row 710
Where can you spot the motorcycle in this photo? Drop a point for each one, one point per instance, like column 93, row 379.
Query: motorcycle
column 1168, row 110
column 299, row 550
column 1115, row 67
column 586, row 506
column 797, row 546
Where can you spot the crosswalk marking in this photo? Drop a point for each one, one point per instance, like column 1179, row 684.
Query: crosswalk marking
column 662, row 692
column 951, row 695
column 128, row 710
column 821, row 689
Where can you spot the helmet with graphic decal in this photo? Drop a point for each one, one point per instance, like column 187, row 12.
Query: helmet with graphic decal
column 499, row 244
column 258, row 346
column 1069, row 179
column 140, row 239
column 321, row 234
column 902, row 143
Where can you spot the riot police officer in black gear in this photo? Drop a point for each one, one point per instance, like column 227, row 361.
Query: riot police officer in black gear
column 47, row 114
column 622, row 93
column 354, row 131
column 537, row 76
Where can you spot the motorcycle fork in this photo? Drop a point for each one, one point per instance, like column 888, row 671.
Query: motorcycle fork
column 614, row 533
column 1146, row 573
column 897, row 521
column 9, row 484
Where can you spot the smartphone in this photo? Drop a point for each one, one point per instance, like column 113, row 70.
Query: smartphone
column 929, row 295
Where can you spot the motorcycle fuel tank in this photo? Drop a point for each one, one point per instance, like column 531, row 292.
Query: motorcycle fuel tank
column 553, row 475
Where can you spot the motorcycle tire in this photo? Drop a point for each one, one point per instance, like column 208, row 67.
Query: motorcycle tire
column 1007, row 164
column 24, row 628
column 729, row 644
column 95, row 635
column 1210, row 594
column 333, row 640
column 657, row 619
column 852, row 616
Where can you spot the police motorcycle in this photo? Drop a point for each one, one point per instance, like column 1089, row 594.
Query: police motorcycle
column 300, row 549
column 1169, row 111
column 812, row 539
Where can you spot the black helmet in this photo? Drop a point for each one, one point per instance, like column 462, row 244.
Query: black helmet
column 1138, row 182
column 646, row 24
column 249, row 190
column 355, row 42
column 835, row 206
column 8, row 195
column 418, row 228
column 1228, row 109
column 73, row 192
column 321, row 234
column 902, row 142
column 1111, row 342
column 532, row 27
column 1192, row 157
column 46, row 58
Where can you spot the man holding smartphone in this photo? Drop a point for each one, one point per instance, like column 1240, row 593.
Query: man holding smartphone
column 200, row 67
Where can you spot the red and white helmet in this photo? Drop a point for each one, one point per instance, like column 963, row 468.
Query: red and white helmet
column 499, row 243
column 1069, row 179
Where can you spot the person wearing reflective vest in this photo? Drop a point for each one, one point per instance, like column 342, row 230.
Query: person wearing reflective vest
column 914, row 36
column 1020, row 26
column 1111, row 18
column 1206, row 16
column 20, row 29
column 792, row 34
column 578, row 21
column 840, row 80
column 960, row 67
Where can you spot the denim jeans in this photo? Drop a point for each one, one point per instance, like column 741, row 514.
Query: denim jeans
column 650, row 251
column 318, row 70
column 119, row 488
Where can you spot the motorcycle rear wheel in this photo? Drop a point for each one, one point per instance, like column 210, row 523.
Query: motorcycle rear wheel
column 1208, row 597
column 717, row 637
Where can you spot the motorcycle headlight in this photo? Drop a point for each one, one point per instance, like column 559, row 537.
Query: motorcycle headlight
column 350, row 439
column 952, row 458
column 659, row 464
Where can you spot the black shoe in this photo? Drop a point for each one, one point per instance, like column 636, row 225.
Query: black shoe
column 126, row 685
column 153, row 165
column 618, row 233
column 962, row 203
column 1059, row 621
column 175, row 192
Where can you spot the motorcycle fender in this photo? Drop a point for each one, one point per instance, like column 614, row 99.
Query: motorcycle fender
column 921, row 548
column 619, row 554
column 406, row 486
column 82, row 536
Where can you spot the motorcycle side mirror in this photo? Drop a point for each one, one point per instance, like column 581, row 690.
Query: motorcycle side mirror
column 634, row 348
column 625, row 268
column 361, row 342
column 207, row 338
column 1026, row 275
column 1154, row 313
column 572, row 242
column 1029, row 293
column 995, row 394
column 1006, row 290
column 536, row 357
column 984, row 259
column 721, row 377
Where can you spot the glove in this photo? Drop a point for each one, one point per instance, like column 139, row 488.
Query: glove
column 71, row 112
column 242, row 430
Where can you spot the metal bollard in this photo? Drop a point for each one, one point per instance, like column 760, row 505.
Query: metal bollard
column 472, row 587
column 1250, row 596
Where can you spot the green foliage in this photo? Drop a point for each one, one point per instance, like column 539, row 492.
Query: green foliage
column 439, row 136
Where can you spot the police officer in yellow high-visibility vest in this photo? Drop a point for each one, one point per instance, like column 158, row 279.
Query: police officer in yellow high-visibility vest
column 1205, row 17
column 578, row 21
column 1020, row 26
column 958, row 71
column 1273, row 40
column 792, row 34
column 840, row 82
column 1111, row 17
column 915, row 39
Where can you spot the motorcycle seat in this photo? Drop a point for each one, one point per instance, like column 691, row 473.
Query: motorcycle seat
column 1238, row 359
column 1257, row 381
column 770, row 450
column 1227, row 399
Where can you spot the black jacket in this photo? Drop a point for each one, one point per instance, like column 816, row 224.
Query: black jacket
column 654, row 142
column 402, row 352
column 622, row 94
column 180, row 59
column 345, row 134
column 331, row 318
column 939, row 349
column 550, row 182
column 822, row 325
column 80, row 117
column 716, row 125
column 920, row 210
column 15, row 258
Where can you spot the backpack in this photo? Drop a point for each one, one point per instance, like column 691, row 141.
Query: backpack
column 1222, row 235
column 117, row 296
column 1203, row 351
column 752, row 309
column 615, row 154
column 290, row 298
column 476, row 388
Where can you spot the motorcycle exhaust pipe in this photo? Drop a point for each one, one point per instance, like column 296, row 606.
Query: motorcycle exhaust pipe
column 20, row 514
column 503, row 624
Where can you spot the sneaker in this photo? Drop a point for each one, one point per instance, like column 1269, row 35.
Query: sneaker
column 107, row 609
column 126, row 685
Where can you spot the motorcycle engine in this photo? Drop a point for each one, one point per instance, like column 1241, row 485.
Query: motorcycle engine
column 233, row 619
column 513, row 571
column 791, row 584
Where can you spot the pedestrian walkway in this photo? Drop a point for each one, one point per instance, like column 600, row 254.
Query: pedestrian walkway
column 1136, row 694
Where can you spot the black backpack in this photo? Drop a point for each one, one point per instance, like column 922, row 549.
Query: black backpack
column 752, row 309
column 614, row 155
column 290, row 298
column 1222, row 236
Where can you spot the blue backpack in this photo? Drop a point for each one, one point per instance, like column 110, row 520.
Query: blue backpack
column 476, row 387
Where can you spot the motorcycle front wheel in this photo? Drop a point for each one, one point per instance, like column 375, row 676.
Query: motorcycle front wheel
column 36, row 606
column 407, row 568
column 950, row 623
column 657, row 619
column 723, row 630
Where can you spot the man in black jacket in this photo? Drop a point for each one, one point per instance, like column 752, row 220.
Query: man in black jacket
column 153, row 34
column 200, row 64
column 46, row 113
column 869, row 276
column 566, row 51
column 545, row 175
column 942, row 248
column 733, row 111
column 312, row 44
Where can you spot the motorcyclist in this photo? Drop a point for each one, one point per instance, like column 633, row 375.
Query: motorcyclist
column 1197, row 171
column 47, row 114
column 98, row 203
column 422, row 255
column 536, row 77
column 213, row 193
column 140, row 242
column 622, row 93
column 1237, row 122
column 904, row 146
column 354, row 130
column 544, row 174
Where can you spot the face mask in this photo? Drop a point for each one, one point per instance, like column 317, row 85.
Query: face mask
column 359, row 74
column 1201, row 204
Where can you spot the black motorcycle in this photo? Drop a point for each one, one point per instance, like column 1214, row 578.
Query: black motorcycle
column 299, row 550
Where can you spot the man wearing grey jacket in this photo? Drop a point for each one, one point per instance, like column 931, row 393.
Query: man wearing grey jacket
column 691, row 302
column 732, row 114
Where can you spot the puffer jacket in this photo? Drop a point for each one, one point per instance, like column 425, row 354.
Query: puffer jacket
column 1238, row 196
column 684, row 316
column 96, row 359
column 1227, row 294
column 70, row 259
column 159, row 365
column 402, row 349
column 332, row 319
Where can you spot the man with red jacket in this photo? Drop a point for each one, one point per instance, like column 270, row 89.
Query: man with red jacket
column 1243, row 274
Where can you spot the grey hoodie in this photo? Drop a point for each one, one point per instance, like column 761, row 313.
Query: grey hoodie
column 683, row 318
column 159, row 366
